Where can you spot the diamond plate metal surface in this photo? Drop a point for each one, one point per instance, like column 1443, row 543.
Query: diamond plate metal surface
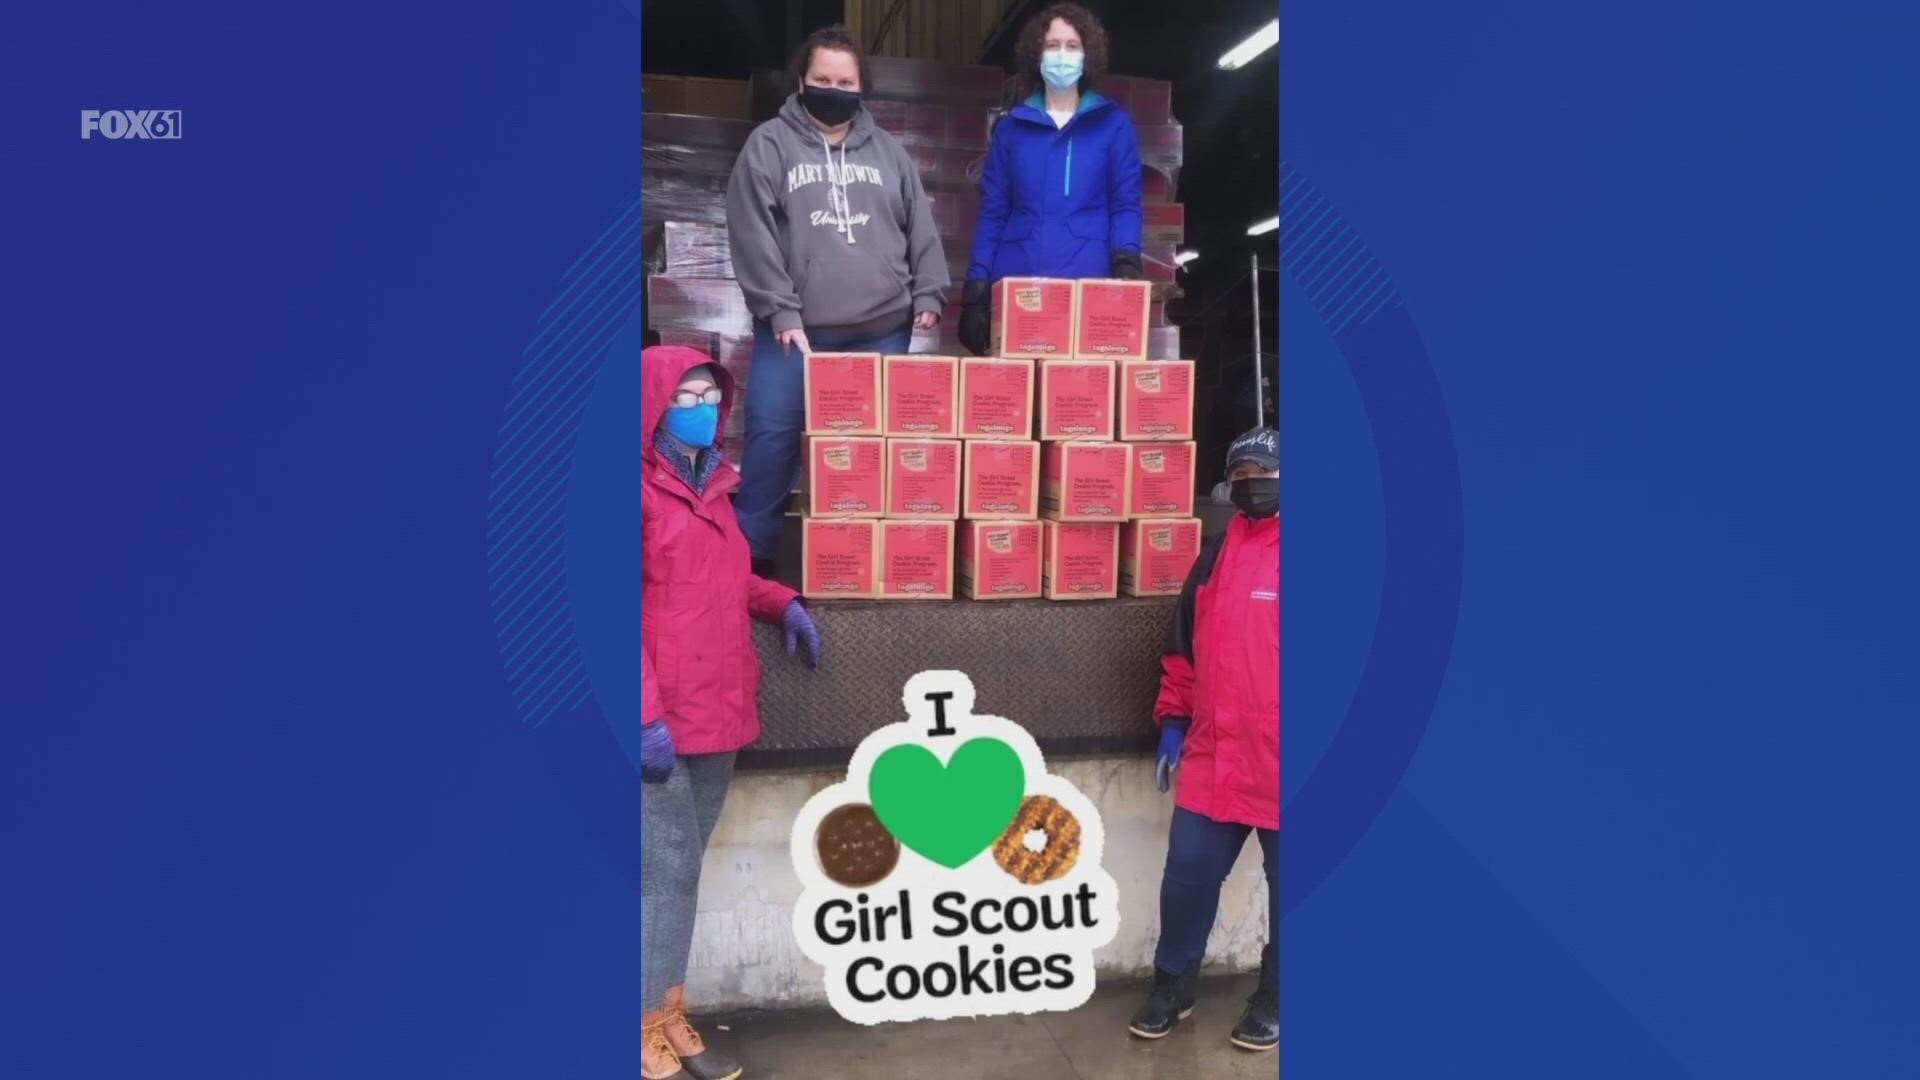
column 1080, row 676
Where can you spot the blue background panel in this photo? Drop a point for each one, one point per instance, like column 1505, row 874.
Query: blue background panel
column 267, row 808
column 1661, row 819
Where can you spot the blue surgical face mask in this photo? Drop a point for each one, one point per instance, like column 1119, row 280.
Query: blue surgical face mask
column 1062, row 68
column 694, row 425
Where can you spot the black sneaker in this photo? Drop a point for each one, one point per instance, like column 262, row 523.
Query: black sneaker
column 1169, row 1001
column 1259, row 1026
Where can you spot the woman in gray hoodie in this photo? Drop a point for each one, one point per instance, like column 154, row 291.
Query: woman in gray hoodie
column 834, row 246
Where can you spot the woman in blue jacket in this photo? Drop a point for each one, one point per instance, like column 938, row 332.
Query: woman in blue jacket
column 1061, row 193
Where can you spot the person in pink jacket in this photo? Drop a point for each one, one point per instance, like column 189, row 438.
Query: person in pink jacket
column 699, row 677
column 1219, row 717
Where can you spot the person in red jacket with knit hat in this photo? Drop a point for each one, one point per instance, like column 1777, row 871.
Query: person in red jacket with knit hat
column 699, row 677
column 1219, row 717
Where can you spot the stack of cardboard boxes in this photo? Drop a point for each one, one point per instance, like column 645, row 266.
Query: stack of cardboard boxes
column 1115, row 429
column 882, row 476
column 941, row 114
column 886, row 520
column 1064, row 466
column 685, row 162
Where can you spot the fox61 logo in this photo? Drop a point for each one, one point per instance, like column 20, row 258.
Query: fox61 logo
column 130, row 123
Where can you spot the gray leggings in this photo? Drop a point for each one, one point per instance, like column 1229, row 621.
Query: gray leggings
column 676, row 821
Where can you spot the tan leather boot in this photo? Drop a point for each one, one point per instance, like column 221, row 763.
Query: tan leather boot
column 700, row 1062
column 657, row 1059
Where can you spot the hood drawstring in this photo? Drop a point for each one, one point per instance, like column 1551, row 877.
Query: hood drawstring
column 837, row 190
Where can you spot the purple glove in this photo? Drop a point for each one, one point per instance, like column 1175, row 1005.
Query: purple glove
column 656, row 752
column 799, row 626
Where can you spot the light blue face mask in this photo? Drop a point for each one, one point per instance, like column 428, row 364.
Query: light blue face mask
column 1062, row 67
column 695, row 425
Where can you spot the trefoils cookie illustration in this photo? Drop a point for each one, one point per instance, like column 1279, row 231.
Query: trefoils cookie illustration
column 1059, row 831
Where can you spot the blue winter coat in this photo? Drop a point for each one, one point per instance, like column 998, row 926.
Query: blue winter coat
column 1058, row 201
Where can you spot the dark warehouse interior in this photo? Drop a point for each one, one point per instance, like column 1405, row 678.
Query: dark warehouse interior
column 1229, row 180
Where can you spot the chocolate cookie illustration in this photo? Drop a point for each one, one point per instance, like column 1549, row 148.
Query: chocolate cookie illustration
column 855, row 849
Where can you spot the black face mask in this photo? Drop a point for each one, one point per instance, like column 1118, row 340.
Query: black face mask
column 830, row 105
column 1257, row 496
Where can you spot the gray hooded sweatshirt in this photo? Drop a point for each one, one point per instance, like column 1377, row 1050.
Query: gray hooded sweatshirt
column 838, row 236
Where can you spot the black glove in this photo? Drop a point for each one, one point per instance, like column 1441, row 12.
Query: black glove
column 1125, row 265
column 976, row 318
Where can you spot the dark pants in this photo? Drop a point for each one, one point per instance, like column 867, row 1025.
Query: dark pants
column 677, row 817
column 776, row 414
column 1200, row 854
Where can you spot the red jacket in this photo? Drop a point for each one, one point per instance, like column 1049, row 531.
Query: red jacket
column 698, row 667
column 1221, row 668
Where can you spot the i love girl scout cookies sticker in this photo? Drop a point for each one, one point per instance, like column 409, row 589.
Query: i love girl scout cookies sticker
column 949, row 874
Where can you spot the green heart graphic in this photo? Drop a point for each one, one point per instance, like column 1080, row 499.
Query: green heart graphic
column 953, row 812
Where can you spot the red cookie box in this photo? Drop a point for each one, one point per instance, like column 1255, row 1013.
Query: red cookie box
column 1001, row 480
column 1155, row 186
column 1156, row 400
column 693, row 95
column 839, row 559
column 899, row 79
column 1162, row 146
column 732, row 351
column 1000, row 560
column 923, row 478
column 846, row 476
column 1163, row 224
column 1076, row 399
column 912, row 123
column 947, row 167
column 954, row 215
column 1085, row 481
column 686, row 303
column 843, row 393
column 931, row 125
column 1080, row 561
column 687, row 249
column 1034, row 318
column 996, row 398
column 669, row 131
column 1161, row 485
column 1111, row 319
column 1147, row 101
column 916, row 560
column 1156, row 554
column 922, row 396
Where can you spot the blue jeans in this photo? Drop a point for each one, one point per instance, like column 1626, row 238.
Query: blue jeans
column 1200, row 854
column 776, row 414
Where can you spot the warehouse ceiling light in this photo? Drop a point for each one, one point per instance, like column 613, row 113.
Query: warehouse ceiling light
column 1264, row 227
column 1244, row 53
column 1185, row 257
